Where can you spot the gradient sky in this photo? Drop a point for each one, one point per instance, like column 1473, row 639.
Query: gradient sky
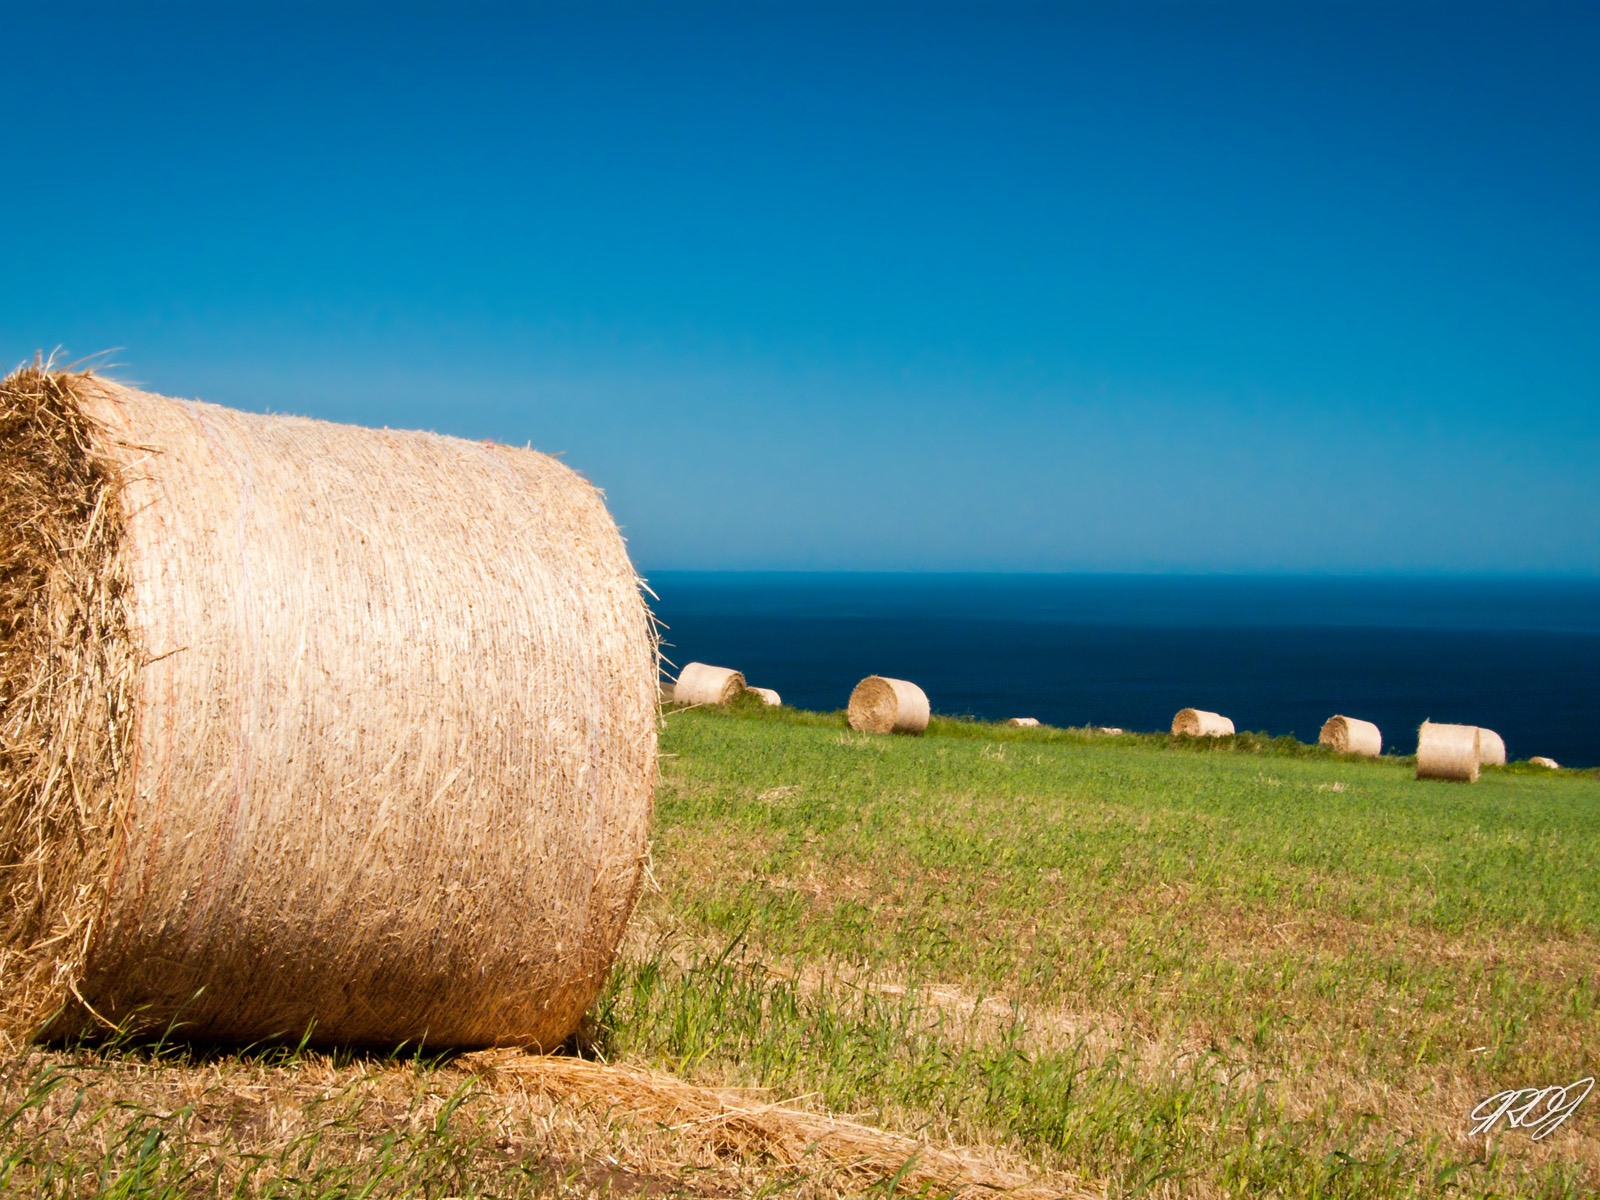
column 1143, row 287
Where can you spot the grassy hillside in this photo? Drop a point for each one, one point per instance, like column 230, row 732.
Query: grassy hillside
column 1214, row 970
column 1108, row 963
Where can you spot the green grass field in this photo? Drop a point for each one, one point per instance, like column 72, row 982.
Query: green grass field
column 1135, row 968
column 1249, row 969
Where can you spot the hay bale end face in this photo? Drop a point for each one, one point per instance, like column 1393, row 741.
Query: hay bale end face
column 699, row 683
column 882, row 705
column 1349, row 735
column 767, row 696
column 1197, row 722
column 1491, row 748
column 1447, row 752
column 309, row 726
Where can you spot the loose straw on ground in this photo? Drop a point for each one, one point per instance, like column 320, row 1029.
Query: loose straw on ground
column 1447, row 752
column 309, row 726
column 1197, row 722
column 882, row 705
column 737, row 1120
column 699, row 683
column 1350, row 735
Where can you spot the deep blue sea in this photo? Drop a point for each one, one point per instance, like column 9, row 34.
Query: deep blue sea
column 1275, row 654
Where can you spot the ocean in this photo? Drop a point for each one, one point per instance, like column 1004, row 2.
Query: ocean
column 1275, row 654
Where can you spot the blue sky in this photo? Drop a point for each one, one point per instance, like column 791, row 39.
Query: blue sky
column 1134, row 287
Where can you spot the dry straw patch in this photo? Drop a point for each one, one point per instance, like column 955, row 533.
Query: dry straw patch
column 292, row 717
column 1350, row 735
column 882, row 705
column 1197, row 722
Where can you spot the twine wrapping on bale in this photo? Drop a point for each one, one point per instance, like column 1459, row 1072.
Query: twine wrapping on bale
column 767, row 696
column 1023, row 722
column 1350, row 735
column 1197, row 722
column 881, row 705
column 309, row 726
column 1491, row 748
column 1447, row 752
column 702, row 684
column 1549, row 764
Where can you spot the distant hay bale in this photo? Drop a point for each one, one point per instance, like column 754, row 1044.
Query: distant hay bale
column 699, row 683
column 881, row 705
column 1023, row 722
column 1447, row 752
column 1197, row 722
column 666, row 691
column 1539, row 760
column 305, row 726
column 1111, row 730
column 1491, row 748
column 767, row 696
column 1349, row 735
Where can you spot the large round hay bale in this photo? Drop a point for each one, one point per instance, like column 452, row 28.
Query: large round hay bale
column 882, row 705
column 309, row 726
column 767, row 696
column 1447, row 752
column 1197, row 722
column 1350, row 735
column 1491, row 748
column 702, row 684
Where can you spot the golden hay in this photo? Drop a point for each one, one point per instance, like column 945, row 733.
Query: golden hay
column 702, row 684
column 1023, row 722
column 1549, row 764
column 1491, row 748
column 736, row 1120
column 767, row 696
column 881, row 705
column 1350, row 735
column 1447, row 752
column 1197, row 722
column 303, row 723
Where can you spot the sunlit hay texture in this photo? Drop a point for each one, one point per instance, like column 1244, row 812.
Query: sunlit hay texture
column 68, row 662
column 311, row 725
column 1448, row 752
column 1491, row 748
column 1197, row 722
column 1350, row 735
column 699, row 683
column 882, row 705
column 767, row 696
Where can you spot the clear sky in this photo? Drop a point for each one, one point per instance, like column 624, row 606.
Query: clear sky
column 1196, row 287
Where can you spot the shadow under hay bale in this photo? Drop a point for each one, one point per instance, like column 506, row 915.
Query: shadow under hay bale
column 1349, row 735
column 1448, row 752
column 1197, row 722
column 699, row 683
column 305, row 725
column 882, row 705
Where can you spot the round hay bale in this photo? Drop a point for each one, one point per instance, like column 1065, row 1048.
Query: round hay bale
column 1023, row 722
column 882, row 705
column 1447, row 752
column 1349, row 735
column 1197, row 722
column 702, row 684
column 666, row 691
column 305, row 726
column 768, row 697
column 1550, row 764
column 1491, row 748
